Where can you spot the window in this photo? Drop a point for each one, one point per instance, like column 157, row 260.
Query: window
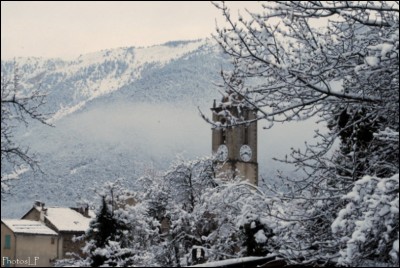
column 7, row 244
column 246, row 134
column 53, row 240
column 223, row 136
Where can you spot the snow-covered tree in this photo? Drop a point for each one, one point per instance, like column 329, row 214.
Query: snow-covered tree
column 368, row 227
column 185, row 209
column 102, row 234
column 189, row 179
column 19, row 107
column 121, row 234
column 337, row 61
column 224, row 219
column 171, row 200
column 238, row 213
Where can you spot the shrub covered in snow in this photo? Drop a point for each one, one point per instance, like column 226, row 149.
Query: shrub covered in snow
column 368, row 227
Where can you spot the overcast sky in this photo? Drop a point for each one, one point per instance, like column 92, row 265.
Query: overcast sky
column 68, row 29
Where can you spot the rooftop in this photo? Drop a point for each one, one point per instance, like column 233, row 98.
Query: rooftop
column 28, row 227
column 67, row 219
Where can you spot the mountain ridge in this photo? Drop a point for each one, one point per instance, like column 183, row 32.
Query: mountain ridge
column 71, row 83
column 115, row 113
column 128, row 125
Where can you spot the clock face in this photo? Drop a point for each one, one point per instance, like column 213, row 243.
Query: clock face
column 245, row 153
column 222, row 152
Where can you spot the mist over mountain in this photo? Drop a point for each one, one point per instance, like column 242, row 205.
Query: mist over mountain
column 120, row 112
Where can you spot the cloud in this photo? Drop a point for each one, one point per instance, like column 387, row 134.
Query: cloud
column 156, row 129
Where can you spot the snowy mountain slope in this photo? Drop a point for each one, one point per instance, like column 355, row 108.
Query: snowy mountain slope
column 118, row 113
column 71, row 84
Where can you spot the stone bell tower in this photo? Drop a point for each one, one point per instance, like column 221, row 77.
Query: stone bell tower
column 235, row 142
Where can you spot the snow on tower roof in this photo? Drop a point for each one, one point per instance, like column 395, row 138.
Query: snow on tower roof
column 28, row 227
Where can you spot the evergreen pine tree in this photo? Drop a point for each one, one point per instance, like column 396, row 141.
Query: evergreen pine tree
column 101, row 231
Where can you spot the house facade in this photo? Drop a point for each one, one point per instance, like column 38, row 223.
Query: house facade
column 43, row 235
column 68, row 223
column 27, row 243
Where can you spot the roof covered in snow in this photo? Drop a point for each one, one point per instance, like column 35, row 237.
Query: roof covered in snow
column 28, row 227
column 67, row 219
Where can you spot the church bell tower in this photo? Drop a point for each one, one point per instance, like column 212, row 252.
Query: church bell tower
column 234, row 139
